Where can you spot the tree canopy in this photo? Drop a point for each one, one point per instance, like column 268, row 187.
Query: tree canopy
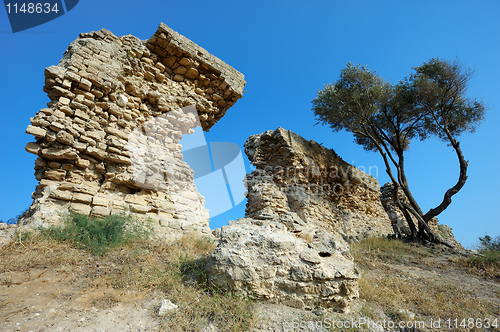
column 431, row 101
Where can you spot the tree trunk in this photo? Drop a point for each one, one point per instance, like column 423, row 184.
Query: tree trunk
column 456, row 188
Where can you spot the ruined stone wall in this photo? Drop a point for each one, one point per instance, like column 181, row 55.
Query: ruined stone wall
column 108, row 140
column 296, row 175
column 399, row 224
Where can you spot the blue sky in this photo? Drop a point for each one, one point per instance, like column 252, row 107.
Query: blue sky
column 287, row 50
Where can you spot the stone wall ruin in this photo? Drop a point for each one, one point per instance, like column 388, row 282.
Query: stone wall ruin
column 296, row 175
column 108, row 140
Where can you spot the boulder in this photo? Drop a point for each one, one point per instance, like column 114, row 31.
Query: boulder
column 262, row 259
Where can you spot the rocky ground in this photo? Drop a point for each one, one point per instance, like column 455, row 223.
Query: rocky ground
column 45, row 286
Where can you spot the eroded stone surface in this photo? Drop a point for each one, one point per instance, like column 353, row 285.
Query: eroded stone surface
column 304, row 269
column 108, row 140
column 296, row 175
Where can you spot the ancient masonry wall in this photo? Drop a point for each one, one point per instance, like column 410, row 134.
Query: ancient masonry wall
column 108, row 140
column 296, row 175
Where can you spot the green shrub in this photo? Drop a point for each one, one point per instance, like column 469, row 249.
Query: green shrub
column 490, row 244
column 488, row 259
column 96, row 235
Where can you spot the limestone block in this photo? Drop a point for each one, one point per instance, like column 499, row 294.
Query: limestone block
column 56, row 126
column 36, row 131
column 100, row 211
column 96, row 153
column 79, row 113
column 192, row 73
column 301, row 176
column 81, row 208
column 267, row 261
column 80, row 146
column 56, row 175
column 85, row 188
column 62, row 195
column 88, row 140
column 53, row 164
column 85, row 84
column 82, row 198
column 65, row 137
column 133, row 199
column 116, row 158
column 72, row 76
column 100, row 201
column 65, row 186
column 94, row 108
column 139, row 208
column 64, row 101
column 59, row 154
column 174, row 223
column 117, row 132
column 96, row 135
column 32, row 148
column 115, row 110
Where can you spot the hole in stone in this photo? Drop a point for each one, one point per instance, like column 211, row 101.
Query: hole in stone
column 325, row 254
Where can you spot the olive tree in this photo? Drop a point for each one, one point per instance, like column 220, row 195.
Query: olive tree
column 385, row 118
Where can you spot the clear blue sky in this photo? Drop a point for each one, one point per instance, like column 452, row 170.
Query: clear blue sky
column 287, row 50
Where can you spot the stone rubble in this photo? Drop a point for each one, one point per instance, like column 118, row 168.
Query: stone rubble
column 108, row 140
column 284, row 260
column 166, row 306
column 296, row 175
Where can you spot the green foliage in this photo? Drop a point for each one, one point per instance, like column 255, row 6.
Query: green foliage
column 352, row 102
column 489, row 250
column 488, row 243
column 439, row 88
column 427, row 103
column 96, row 235
column 488, row 260
column 386, row 118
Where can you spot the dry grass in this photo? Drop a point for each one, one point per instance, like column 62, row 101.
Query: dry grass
column 486, row 264
column 402, row 278
column 381, row 249
column 145, row 267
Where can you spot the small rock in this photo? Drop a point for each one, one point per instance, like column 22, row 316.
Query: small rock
column 121, row 100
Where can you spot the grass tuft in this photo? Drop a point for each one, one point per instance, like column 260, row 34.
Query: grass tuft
column 487, row 262
column 97, row 235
